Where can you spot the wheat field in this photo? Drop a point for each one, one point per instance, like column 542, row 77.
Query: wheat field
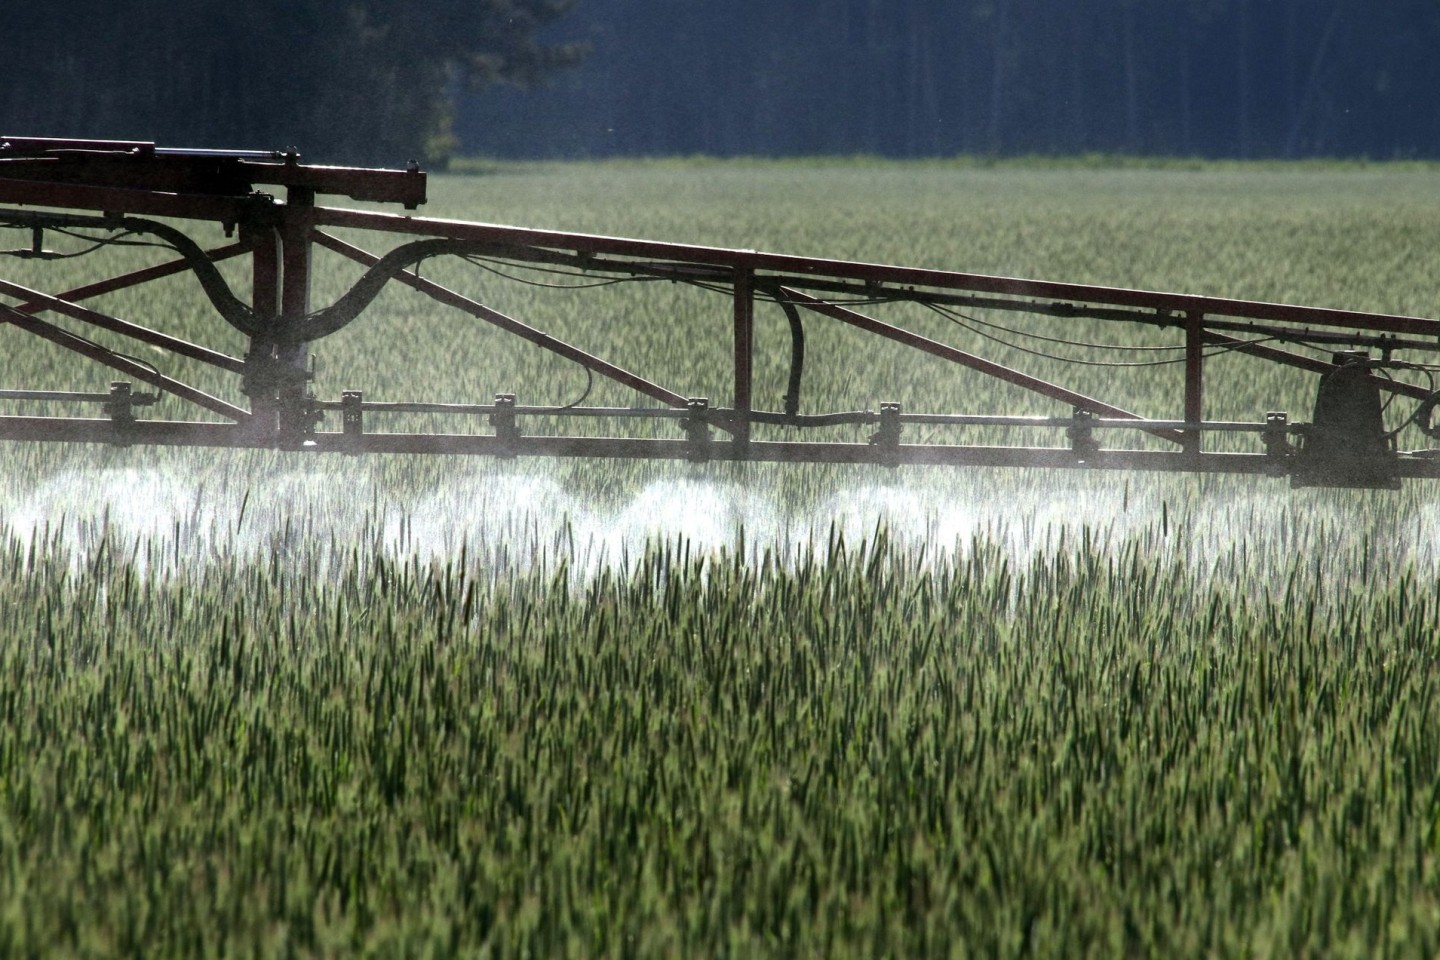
column 270, row 704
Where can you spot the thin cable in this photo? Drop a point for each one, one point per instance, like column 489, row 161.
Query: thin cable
column 1069, row 343
column 119, row 240
column 955, row 319
column 589, row 385
column 485, row 265
column 1423, row 408
column 1390, row 399
column 96, row 243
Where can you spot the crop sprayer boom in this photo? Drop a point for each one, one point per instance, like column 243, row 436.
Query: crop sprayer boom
column 129, row 193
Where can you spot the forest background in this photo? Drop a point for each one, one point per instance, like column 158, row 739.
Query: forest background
column 382, row 81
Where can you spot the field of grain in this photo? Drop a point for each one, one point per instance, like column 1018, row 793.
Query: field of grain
column 277, row 705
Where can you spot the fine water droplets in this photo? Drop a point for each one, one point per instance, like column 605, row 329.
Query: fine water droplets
column 505, row 517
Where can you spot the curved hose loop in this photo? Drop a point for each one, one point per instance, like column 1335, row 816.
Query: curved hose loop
column 1422, row 416
column 322, row 323
column 236, row 312
column 797, row 353
column 312, row 326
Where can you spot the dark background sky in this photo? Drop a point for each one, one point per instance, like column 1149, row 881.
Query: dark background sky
column 375, row 81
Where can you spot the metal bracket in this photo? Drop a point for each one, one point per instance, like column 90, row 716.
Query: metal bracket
column 887, row 437
column 299, row 417
column 123, row 401
column 1277, row 441
column 352, row 413
column 697, row 429
column 1082, row 437
column 268, row 376
column 120, row 408
column 503, row 420
column 352, row 417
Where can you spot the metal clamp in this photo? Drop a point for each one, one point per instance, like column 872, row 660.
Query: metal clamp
column 298, row 418
column 697, row 429
column 352, row 413
column 1277, row 441
column 503, row 420
column 120, row 408
column 1082, row 437
column 266, row 375
column 887, row 437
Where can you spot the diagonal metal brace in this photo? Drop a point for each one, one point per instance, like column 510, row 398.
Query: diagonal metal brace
column 478, row 310
column 93, row 351
column 979, row 364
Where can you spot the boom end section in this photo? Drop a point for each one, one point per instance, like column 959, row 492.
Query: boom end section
column 1347, row 445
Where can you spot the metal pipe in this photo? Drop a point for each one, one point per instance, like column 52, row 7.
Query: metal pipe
column 744, row 353
column 57, row 396
column 1176, row 303
column 162, row 433
column 1194, row 377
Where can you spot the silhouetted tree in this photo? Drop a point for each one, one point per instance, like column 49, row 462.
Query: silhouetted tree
column 351, row 80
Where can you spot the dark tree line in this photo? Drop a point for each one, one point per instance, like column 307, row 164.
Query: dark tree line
column 378, row 81
column 359, row 81
column 1238, row 78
